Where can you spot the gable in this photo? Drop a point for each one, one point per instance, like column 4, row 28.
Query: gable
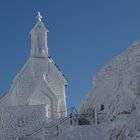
column 42, row 95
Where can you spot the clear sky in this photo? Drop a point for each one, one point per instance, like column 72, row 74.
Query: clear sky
column 83, row 36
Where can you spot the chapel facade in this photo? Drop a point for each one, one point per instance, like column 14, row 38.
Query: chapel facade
column 39, row 82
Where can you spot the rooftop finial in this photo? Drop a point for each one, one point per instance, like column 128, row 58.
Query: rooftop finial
column 39, row 17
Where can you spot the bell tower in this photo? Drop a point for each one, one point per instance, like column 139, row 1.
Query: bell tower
column 39, row 33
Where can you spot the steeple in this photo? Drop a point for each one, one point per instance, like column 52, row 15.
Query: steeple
column 39, row 46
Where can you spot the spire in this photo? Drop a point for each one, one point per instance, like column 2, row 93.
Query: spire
column 39, row 39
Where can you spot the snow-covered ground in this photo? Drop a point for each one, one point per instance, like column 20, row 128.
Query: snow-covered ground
column 88, row 132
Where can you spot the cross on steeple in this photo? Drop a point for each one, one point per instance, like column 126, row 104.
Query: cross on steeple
column 39, row 16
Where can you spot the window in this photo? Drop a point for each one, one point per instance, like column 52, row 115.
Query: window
column 102, row 107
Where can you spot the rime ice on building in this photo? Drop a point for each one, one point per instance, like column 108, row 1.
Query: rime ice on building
column 39, row 82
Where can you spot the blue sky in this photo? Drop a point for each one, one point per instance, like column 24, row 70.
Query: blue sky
column 83, row 36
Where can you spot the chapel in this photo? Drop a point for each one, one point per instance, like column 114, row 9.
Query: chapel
column 40, row 81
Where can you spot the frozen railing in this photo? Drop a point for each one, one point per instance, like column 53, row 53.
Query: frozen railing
column 55, row 128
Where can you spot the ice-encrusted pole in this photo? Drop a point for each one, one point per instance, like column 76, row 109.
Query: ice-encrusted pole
column 95, row 116
column 43, row 135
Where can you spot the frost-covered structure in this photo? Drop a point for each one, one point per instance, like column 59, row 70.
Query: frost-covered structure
column 39, row 86
column 39, row 81
column 115, row 96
